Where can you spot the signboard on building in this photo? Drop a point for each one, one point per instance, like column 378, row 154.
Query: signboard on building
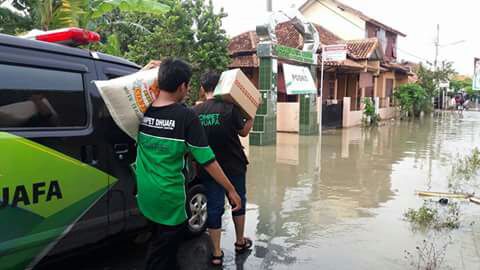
column 337, row 52
column 298, row 80
column 290, row 53
column 476, row 75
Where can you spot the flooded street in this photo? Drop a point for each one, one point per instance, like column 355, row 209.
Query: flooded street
column 337, row 201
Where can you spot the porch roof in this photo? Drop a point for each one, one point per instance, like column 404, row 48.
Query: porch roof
column 364, row 49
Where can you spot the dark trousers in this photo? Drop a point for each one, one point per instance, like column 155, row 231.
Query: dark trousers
column 163, row 247
column 216, row 199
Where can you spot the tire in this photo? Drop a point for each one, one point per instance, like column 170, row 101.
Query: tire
column 196, row 211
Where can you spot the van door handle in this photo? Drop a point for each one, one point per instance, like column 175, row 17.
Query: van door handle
column 121, row 150
column 89, row 154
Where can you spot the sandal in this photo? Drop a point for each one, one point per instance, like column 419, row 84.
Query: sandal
column 242, row 248
column 217, row 258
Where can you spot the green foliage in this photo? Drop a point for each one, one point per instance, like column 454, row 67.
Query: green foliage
column 432, row 216
column 53, row 14
column 413, row 99
column 68, row 13
column 143, row 6
column 430, row 79
column 464, row 85
column 173, row 36
column 464, row 174
column 142, row 30
column 111, row 46
column 13, row 23
column 190, row 30
column 370, row 116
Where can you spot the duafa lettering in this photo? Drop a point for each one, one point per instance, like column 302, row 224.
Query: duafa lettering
column 41, row 192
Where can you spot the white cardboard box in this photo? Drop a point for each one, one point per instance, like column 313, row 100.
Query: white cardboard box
column 236, row 88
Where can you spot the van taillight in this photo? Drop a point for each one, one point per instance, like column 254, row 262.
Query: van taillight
column 69, row 36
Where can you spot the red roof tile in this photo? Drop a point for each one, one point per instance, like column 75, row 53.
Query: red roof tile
column 286, row 34
column 363, row 48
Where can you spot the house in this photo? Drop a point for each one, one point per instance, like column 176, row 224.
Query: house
column 243, row 49
column 370, row 43
column 351, row 24
column 371, row 69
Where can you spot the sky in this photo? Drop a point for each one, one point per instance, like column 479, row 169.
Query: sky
column 416, row 18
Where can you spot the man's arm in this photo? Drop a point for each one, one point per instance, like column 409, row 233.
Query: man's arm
column 203, row 154
column 214, row 169
column 152, row 64
column 246, row 129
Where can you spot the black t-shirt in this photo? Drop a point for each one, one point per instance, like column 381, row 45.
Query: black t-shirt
column 222, row 122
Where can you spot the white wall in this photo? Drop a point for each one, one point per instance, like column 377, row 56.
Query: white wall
column 346, row 25
column 288, row 117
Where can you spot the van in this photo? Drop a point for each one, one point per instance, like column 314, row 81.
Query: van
column 65, row 176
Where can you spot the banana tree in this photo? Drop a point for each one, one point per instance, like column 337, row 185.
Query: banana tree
column 80, row 13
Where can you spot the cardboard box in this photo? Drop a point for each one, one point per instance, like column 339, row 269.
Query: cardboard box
column 236, row 88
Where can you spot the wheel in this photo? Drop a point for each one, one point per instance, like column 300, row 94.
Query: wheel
column 196, row 210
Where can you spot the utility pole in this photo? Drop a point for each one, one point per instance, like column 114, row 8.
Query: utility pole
column 435, row 64
column 269, row 5
column 437, row 46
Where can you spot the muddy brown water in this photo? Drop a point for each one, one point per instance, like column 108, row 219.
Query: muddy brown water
column 336, row 201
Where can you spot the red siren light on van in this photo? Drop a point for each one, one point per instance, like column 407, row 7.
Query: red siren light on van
column 72, row 36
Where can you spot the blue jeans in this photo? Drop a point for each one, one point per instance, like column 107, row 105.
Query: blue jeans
column 216, row 199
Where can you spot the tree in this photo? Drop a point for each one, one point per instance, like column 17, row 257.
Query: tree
column 173, row 36
column 413, row 99
column 52, row 14
column 13, row 23
column 190, row 30
column 430, row 79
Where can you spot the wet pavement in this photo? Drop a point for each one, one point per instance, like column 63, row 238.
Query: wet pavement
column 336, row 201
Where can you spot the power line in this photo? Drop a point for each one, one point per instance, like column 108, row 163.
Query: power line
column 413, row 55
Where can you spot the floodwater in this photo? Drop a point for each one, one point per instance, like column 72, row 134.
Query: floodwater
column 336, row 201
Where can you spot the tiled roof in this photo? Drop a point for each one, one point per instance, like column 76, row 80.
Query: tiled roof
column 363, row 48
column 358, row 13
column 327, row 37
column 245, row 42
column 286, row 34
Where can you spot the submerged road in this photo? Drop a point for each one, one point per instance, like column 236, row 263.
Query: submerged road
column 336, row 201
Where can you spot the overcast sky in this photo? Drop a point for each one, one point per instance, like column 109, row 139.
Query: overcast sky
column 416, row 18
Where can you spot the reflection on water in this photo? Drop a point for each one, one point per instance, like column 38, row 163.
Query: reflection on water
column 336, row 201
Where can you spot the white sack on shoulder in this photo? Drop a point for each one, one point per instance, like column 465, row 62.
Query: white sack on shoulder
column 128, row 97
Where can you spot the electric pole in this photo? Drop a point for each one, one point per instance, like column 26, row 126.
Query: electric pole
column 437, row 46
column 269, row 5
column 435, row 65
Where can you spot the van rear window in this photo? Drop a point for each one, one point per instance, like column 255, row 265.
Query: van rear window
column 41, row 98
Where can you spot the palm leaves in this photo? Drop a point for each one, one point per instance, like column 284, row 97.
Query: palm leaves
column 69, row 13
column 146, row 6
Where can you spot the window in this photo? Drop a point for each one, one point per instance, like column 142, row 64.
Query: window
column 39, row 98
column 382, row 38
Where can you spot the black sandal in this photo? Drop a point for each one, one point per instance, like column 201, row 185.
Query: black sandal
column 242, row 248
column 217, row 258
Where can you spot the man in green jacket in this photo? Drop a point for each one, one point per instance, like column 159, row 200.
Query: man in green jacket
column 169, row 131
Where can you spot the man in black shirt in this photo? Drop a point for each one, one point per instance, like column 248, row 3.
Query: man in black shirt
column 223, row 124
